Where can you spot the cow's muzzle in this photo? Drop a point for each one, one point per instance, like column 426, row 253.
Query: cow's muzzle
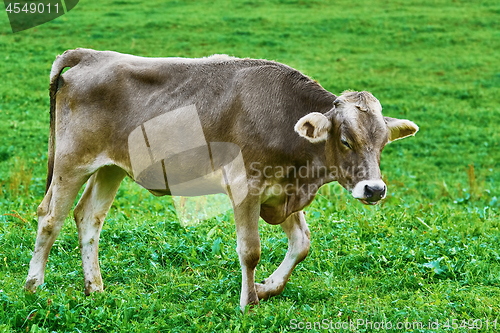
column 370, row 192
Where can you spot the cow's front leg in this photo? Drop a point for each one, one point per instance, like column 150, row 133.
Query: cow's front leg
column 298, row 234
column 246, row 217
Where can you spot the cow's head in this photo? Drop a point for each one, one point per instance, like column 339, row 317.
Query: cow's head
column 355, row 132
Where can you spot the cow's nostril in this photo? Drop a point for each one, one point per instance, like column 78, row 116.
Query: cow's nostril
column 374, row 193
column 368, row 191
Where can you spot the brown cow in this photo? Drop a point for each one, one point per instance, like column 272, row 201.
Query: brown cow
column 257, row 130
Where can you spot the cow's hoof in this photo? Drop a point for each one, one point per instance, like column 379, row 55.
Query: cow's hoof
column 248, row 308
column 93, row 287
column 261, row 290
column 268, row 289
column 31, row 285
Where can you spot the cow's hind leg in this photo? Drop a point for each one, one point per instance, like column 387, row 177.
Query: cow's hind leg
column 89, row 214
column 51, row 213
column 296, row 229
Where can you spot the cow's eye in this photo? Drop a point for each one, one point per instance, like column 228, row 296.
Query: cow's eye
column 345, row 143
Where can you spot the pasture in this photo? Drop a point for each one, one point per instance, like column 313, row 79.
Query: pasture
column 428, row 254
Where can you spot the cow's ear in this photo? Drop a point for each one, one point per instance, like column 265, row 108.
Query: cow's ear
column 400, row 128
column 314, row 127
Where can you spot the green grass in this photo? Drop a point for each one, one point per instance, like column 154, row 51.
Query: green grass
column 430, row 251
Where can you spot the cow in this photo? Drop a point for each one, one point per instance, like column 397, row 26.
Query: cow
column 259, row 131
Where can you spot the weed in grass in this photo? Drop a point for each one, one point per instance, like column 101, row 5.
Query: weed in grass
column 19, row 178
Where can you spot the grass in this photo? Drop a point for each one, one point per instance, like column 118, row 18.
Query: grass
column 430, row 252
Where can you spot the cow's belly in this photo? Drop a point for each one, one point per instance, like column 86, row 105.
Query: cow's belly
column 182, row 181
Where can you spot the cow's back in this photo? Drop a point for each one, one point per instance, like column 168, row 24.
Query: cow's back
column 252, row 103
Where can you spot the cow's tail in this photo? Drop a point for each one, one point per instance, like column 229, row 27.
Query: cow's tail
column 69, row 58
